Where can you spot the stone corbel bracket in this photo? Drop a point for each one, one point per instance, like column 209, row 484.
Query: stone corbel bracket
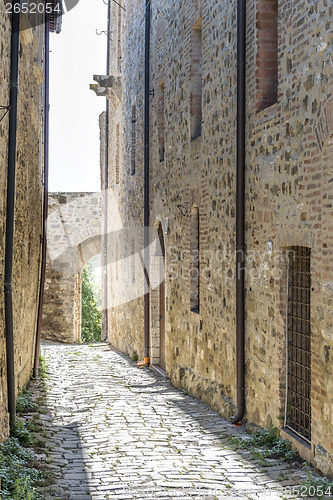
column 107, row 86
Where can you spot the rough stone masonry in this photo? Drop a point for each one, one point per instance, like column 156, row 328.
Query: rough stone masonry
column 289, row 155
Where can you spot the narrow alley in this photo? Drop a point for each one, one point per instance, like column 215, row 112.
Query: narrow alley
column 116, row 431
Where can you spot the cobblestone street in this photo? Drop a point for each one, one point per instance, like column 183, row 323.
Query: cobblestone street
column 117, row 431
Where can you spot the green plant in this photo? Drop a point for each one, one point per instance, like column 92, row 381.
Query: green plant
column 135, row 357
column 39, row 443
column 20, row 474
column 21, row 432
column 316, row 487
column 266, row 443
column 91, row 311
column 24, row 402
column 42, row 368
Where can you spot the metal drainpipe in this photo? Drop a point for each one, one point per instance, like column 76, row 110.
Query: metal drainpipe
column 106, row 188
column 46, row 189
column 8, row 288
column 240, row 212
column 146, row 182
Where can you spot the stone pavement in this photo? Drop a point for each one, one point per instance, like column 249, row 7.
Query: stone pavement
column 120, row 432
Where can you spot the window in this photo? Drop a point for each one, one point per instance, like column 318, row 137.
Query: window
column 133, row 260
column 298, row 414
column 119, row 56
column 161, row 122
column 133, row 140
column 196, row 80
column 117, row 152
column 195, row 260
column 117, row 259
column 267, row 53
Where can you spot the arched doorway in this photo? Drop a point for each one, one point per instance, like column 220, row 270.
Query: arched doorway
column 161, row 250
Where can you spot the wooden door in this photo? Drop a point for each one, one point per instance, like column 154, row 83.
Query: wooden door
column 162, row 324
column 162, row 298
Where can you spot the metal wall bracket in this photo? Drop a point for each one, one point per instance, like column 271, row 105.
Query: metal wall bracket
column 6, row 109
column 183, row 208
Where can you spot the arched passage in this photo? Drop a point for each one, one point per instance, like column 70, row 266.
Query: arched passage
column 74, row 237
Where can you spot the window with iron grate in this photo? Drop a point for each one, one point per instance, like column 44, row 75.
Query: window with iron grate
column 298, row 415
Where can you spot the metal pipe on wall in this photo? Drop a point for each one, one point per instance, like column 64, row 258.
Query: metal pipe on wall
column 146, row 183
column 46, row 187
column 240, row 212
column 10, row 212
column 106, row 188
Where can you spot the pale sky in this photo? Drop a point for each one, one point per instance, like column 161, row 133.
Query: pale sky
column 77, row 53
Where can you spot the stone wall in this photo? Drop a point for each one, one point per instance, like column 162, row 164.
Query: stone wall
column 73, row 237
column 28, row 201
column 4, row 97
column 288, row 195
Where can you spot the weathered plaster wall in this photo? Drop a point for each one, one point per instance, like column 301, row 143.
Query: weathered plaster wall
column 74, row 237
column 288, row 199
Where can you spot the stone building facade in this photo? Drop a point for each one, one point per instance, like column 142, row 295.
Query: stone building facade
column 28, row 197
column 73, row 238
column 288, row 195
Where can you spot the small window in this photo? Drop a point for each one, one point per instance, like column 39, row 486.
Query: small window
column 119, row 55
column 117, row 258
column 161, row 122
column 133, row 141
column 196, row 80
column 267, row 53
column 195, row 260
column 117, row 152
column 133, row 260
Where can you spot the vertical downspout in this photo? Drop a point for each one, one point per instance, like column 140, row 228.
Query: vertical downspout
column 46, row 188
column 106, row 187
column 146, row 181
column 240, row 212
column 10, row 214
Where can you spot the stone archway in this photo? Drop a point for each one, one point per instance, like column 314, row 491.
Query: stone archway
column 74, row 237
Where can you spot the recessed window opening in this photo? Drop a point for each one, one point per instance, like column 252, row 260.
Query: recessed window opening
column 117, row 259
column 161, row 122
column 196, row 80
column 133, row 260
column 298, row 410
column 133, row 140
column 195, row 260
column 267, row 54
column 119, row 56
column 117, row 152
